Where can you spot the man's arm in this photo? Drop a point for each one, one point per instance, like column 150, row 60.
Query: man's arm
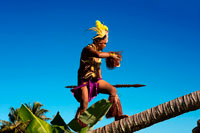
column 94, row 53
column 100, row 76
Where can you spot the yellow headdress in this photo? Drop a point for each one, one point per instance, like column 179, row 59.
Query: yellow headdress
column 101, row 30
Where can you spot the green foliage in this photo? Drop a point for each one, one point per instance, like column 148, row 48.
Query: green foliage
column 92, row 115
column 27, row 121
column 37, row 111
column 58, row 122
column 84, row 130
column 36, row 124
column 13, row 115
column 14, row 125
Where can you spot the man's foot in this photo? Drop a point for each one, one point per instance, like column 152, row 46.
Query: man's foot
column 81, row 123
column 120, row 117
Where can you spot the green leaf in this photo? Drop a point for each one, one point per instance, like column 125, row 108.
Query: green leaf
column 36, row 124
column 59, row 123
column 84, row 130
column 61, row 129
column 40, row 126
column 92, row 115
column 58, row 120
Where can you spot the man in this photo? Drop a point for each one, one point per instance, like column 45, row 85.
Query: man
column 90, row 81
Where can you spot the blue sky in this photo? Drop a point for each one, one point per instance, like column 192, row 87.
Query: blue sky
column 41, row 41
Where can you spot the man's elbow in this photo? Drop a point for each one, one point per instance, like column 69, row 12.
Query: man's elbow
column 98, row 55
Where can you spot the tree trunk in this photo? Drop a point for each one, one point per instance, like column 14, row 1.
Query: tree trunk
column 154, row 115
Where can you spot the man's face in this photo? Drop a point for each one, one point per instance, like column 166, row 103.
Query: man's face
column 102, row 43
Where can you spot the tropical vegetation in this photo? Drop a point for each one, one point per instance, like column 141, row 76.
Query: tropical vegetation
column 31, row 122
column 37, row 111
column 31, row 118
column 15, row 124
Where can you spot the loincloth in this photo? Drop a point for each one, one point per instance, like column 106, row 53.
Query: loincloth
column 92, row 88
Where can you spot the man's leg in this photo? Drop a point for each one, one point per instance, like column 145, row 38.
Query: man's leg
column 116, row 108
column 83, row 99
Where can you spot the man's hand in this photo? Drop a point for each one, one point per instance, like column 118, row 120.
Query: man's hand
column 114, row 60
column 115, row 55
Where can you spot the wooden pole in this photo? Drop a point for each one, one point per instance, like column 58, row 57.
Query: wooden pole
column 117, row 85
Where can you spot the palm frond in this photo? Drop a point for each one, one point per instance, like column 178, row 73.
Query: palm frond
column 36, row 107
column 43, row 117
column 13, row 115
column 3, row 122
column 42, row 111
column 29, row 106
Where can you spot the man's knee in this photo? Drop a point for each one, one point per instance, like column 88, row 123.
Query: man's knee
column 113, row 91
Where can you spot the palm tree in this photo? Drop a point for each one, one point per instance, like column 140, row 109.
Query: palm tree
column 14, row 125
column 154, row 115
column 37, row 111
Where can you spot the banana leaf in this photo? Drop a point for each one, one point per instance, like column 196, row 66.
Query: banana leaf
column 38, row 125
column 84, row 130
column 91, row 116
column 58, row 122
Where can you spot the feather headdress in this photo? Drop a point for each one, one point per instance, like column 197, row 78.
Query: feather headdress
column 101, row 30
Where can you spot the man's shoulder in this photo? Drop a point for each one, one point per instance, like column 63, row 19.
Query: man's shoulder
column 89, row 47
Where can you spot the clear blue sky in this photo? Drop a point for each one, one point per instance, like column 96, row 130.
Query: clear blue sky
column 41, row 41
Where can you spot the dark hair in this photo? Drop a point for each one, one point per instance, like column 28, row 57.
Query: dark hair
column 98, row 39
